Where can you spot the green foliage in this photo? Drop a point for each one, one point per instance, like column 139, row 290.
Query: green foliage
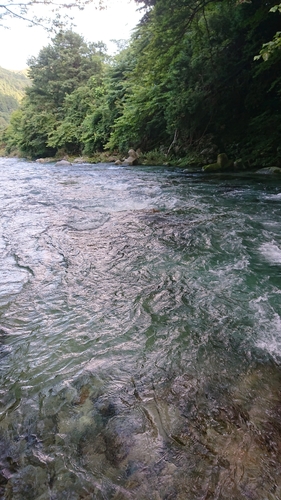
column 61, row 67
column 107, row 103
column 186, row 87
column 270, row 47
column 76, row 106
column 12, row 88
column 59, row 75
column 155, row 157
column 12, row 135
column 173, row 74
column 194, row 77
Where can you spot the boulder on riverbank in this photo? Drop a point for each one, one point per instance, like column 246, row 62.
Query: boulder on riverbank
column 44, row 160
column 63, row 163
column 80, row 159
column 131, row 160
column 222, row 164
column 111, row 159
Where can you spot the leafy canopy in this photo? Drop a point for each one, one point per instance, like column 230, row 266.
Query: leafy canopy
column 59, row 70
column 186, row 85
column 270, row 47
column 12, row 90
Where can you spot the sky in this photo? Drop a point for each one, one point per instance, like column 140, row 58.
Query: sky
column 20, row 42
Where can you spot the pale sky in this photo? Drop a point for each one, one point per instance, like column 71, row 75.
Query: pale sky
column 116, row 22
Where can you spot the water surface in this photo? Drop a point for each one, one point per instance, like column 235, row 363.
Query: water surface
column 140, row 334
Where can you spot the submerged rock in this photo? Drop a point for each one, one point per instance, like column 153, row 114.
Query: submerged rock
column 30, row 482
column 83, row 395
column 152, row 441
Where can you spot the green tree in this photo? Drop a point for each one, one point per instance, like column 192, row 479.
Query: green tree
column 270, row 47
column 67, row 134
column 109, row 104
column 60, row 69
column 186, row 84
column 12, row 90
column 194, row 81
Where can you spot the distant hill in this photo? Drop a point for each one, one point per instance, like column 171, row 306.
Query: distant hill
column 12, row 86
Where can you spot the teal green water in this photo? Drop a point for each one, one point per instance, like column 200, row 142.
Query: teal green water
column 140, row 334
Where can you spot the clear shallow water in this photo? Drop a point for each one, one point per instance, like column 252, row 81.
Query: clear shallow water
column 140, row 334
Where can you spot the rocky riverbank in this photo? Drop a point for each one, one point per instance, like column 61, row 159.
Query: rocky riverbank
column 136, row 158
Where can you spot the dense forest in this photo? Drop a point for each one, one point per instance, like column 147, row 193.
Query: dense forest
column 198, row 78
column 12, row 90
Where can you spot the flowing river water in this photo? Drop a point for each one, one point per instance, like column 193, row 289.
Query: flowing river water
column 140, row 334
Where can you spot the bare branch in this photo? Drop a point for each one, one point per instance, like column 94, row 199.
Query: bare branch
column 13, row 14
column 20, row 10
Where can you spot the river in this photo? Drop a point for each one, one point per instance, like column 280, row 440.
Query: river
column 140, row 334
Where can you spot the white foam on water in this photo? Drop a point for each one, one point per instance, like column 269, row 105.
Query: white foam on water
column 276, row 197
column 272, row 337
column 268, row 326
column 272, row 252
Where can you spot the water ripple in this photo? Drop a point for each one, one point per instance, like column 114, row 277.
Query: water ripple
column 140, row 334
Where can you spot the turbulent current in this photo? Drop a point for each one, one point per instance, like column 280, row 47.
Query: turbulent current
column 140, row 334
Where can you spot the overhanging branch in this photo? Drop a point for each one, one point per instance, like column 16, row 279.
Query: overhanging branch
column 20, row 10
